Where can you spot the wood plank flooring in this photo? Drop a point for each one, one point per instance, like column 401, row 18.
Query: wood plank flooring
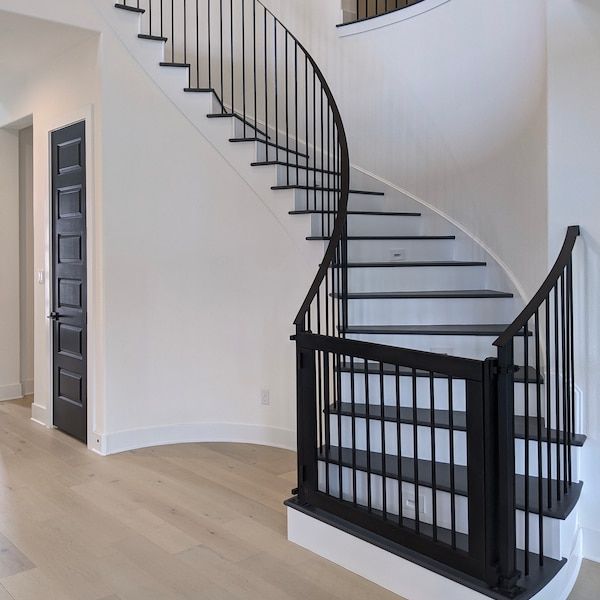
column 196, row 521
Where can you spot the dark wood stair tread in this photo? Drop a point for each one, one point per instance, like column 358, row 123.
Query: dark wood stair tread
column 559, row 510
column 174, row 64
column 477, row 330
column 135, row 9
column 422, row 263
column 385, row 237
column 316, row 188
column 153, row 38
column 442, row 420
column 228, row 115
column 270, row 144
column 364, row 213
column 433, row 294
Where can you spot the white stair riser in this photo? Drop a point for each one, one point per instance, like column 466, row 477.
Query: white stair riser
column 555, row 530
column 442, row 444
column 363, row 224
column 413, row 250
column 398, row 279
column 426, row 311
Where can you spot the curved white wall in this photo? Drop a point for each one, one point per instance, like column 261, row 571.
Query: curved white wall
column 451, row 106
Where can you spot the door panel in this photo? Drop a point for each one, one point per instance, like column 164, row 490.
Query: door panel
column 69, row 289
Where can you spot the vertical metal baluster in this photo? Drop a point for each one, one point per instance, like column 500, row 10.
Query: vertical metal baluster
column 162, row 32
column 287, row 111
column 548, row 405
column 320, row 394
column 564, row 381
column 314, row 160
column 326, row 401
column 197, row 45
column 222, row 92
column 538, row 388
column 526, row 477
column 276, row 93
column 266, row 80
column 383, row 445
column 254, row 61
column 244, row 113
column 323, row 213
column 296, row 112
column 149, row 17
column 415, row 451
column 353, row 401
column 557, row 394
column 231, row 49
column 172, row 31
column 306, row 123
column 185, row 41
column 209, row 33
column 432, row 429
column 338, row 383
column 368, row 434
column 452, row 473
column 399, row 442
column 572, row 429
column 329, row 211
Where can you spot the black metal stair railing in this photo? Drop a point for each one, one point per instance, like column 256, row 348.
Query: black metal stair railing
column 414, row 447
column 548, row 409
column 362, row 10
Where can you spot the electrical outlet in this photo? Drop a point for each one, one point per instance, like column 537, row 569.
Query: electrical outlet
column 265, row 398
column 398, row 255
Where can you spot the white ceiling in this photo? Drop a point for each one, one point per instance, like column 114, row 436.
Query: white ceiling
column 27, row 43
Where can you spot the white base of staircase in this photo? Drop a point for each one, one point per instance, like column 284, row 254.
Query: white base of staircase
column 399, row 575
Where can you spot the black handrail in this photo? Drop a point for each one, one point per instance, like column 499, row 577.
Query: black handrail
column 528, row 312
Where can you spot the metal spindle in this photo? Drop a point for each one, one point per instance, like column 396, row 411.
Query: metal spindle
column 538, row 388
column 415, row 432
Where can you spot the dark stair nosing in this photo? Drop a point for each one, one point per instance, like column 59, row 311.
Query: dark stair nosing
column 434, row 294
column 141, row 11
column 282, row 163
column 271, row 144
column 424, row 263
column 364, row 213
column 228, row 115
column 538, row 578
column 174, row 64
column 477, row 330
column 441, row 420
column 390, row 370
column 559, row 510
column 153, row 38
column 320, row 238
column 199, row 90
column 314, row 188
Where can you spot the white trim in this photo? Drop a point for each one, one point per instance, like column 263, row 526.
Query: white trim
column 190, row 433
column 390, row 18
column 12, row 391
column 518, row 287
column 399, row 575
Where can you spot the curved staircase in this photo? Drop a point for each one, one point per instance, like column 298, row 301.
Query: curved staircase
column 409, row 436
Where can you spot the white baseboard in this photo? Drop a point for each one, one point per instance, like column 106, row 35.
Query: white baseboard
column 27, row 386
column 399, row 575
column 13, row 391
column 188, row 433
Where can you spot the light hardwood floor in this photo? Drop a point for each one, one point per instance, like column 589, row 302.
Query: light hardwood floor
column 197, row 521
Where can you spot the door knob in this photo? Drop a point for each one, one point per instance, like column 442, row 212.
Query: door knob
column 54, row 316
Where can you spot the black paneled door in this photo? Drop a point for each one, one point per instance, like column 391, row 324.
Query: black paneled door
column 69, row 279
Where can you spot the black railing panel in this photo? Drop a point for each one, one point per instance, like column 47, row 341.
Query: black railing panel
column 362, row 10
column 383, row 445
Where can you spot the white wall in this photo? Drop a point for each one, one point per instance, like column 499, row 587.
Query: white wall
column 574, row 198
column 26, row 263
column 10, row 376
column 449, row 105
column 196, row 280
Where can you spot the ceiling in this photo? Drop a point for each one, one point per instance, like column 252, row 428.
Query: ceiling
column 27, row 43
